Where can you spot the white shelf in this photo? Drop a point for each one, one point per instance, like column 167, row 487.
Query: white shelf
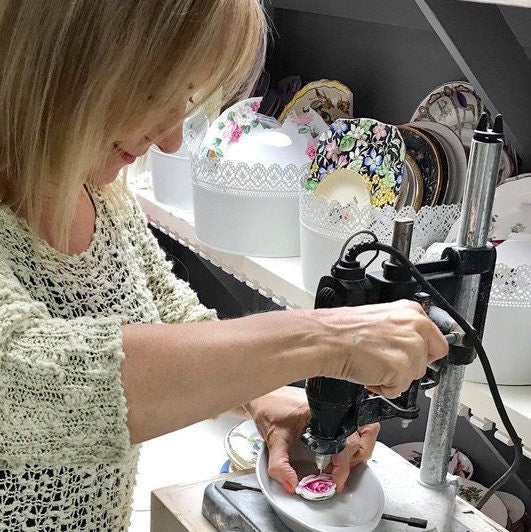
column 281, row 280
column 517, row 401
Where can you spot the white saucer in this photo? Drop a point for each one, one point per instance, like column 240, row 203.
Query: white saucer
column 344, row 186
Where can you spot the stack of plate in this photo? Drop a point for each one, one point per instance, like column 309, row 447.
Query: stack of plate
column 457, row 106
column 436, row 164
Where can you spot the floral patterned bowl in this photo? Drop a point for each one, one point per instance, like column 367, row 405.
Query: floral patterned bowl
column 242, row 134
column 371, row 148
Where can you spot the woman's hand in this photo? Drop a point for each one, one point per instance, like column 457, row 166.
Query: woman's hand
column 281, row 417
column 359, row 448
column 384, row 346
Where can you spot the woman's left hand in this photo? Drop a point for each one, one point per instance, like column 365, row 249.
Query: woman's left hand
column 282, row 416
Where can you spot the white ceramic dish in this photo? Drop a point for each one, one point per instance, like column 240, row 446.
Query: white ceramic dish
column 459, row 463
column 358, row 509
column 171, row 177
column 171, row 172
column 494, row 508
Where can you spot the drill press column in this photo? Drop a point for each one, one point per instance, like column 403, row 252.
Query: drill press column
column 482, row 173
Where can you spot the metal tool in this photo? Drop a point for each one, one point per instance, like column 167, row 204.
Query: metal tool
column 410, row 521
column 463, row 276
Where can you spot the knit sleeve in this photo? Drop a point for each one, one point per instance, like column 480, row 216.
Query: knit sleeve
column 61, row 397
column 175, row 300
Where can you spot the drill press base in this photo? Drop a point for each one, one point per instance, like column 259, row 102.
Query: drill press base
column 404, row 495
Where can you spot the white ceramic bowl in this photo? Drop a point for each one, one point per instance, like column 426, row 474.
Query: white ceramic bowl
column 171, row 172
column 171, row 177
column 358, row 509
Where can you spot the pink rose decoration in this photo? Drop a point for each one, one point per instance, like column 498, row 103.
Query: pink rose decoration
column 311, row 149
column 255, row 106
column 236, row 133
column 316, row 487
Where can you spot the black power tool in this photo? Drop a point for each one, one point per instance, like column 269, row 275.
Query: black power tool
column 338, row 407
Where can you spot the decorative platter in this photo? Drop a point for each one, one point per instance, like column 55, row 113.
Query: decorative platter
column 444, row 165
column 454, row 105
column 242, row 445
column 459, row 463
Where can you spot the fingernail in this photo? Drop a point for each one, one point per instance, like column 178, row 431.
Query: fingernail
column 341, row 489
column 288, row 487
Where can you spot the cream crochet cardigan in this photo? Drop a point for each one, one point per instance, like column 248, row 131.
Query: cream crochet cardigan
column 65, row 458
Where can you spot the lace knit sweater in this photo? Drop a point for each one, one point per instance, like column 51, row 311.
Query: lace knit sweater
column 65, row 458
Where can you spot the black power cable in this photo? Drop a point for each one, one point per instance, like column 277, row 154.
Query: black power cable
column 441, row 302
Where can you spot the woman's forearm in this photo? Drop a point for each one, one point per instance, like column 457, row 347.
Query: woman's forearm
column 175, row 375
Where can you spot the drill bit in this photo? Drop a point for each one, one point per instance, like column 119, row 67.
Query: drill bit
column 322, row 461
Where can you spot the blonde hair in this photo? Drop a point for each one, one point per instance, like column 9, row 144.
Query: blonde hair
column 77, row 75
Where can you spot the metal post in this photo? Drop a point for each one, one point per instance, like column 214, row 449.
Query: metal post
column 402, row 236
column 482, row 173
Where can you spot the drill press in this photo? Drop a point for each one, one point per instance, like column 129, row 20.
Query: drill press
column 463, row 276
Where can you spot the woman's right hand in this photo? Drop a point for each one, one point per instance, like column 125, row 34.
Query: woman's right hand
column 384, row 347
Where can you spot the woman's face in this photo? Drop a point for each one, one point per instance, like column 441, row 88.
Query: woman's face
column 167, row 135
column 125, row 152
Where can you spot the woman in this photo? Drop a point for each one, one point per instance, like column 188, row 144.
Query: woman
column 101, row 347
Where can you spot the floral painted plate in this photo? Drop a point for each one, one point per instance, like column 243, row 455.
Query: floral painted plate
column 412, row 189
column 457, row 106
column 373, row 149
column 331, row 99
column 424, row 153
